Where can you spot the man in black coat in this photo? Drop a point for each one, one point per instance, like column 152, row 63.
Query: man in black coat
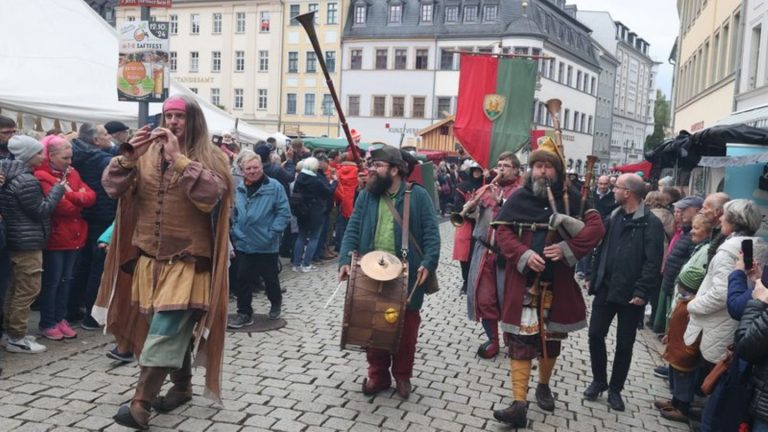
column 626, row 268
column 602, row 199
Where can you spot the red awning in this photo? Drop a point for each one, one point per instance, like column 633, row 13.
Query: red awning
column 643, row 166
column 433, row 155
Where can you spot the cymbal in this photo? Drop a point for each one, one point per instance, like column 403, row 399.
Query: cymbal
column 381, row 266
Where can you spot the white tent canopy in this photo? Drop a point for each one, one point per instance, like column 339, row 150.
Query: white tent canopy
column 65, row 68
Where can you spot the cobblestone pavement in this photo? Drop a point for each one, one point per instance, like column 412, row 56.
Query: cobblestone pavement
column 297, row 378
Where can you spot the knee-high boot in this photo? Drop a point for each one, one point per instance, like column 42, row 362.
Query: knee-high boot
column 181, row 392
column 136, row 415
column 490, row 348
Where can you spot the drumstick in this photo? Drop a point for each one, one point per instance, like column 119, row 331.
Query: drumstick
column 333, row 295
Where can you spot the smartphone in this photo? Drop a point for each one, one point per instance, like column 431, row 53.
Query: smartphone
column 764, row 276
column 217, row 140
column 746, row 249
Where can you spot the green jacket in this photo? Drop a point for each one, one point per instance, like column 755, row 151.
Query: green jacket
column 361, row 228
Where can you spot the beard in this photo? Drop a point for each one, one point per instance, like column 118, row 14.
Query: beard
column 539, row 186
column 378, row 185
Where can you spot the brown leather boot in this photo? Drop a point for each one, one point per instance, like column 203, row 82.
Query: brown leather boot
column 136, row 415
column 181, row 392
column 515, row 415
column 544, row 398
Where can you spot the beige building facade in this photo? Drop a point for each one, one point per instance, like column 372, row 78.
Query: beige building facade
column 307, row 107
column 708, row 62
column 228, row 53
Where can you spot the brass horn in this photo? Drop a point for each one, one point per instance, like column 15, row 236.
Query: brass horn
column 553, row 107
column 307, row 21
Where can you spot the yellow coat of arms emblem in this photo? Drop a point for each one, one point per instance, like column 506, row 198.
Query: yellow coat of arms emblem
column 493, row 106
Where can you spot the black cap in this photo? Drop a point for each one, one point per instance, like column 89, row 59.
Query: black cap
column 387, row 153
column 115, row 126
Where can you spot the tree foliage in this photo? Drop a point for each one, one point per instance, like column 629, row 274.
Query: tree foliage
column 661, row 121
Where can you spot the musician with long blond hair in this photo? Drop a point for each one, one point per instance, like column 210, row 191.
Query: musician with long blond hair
column 541, row 241
column 168, row 260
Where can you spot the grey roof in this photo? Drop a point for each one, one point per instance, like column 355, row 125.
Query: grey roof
column 541, row 19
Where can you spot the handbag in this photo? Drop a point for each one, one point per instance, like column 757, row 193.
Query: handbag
column 708, row 386
column 430, row 285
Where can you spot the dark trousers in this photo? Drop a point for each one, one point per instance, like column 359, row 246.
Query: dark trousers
column 322, row 244
column 341, row 226
column 626, row 330
column 251, row 267
column 88, row 270
column 380, row 360
column 58, row 267
column 5, row 279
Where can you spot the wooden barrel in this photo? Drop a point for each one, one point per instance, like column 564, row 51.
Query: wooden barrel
column 374, row 311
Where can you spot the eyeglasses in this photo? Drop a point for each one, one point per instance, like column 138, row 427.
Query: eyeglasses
column 378, row 164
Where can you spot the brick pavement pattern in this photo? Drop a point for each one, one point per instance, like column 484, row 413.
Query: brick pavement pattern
column 297, row 378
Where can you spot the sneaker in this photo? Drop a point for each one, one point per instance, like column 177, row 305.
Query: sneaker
column 296, row 269
column 26, row 344
column 126, row 357
column 66, row 330
column 275, row 312
column 309, row 269
column 239, row 321
column 89, row 324
column 661, row 372
column 52, row 333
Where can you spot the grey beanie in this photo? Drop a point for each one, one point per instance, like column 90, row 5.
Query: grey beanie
column 24, row 147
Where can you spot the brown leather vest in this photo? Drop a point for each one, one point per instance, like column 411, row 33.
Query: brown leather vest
column 169, row 226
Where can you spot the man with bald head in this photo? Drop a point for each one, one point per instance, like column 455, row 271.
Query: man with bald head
column 603, row 199
column 625, row 271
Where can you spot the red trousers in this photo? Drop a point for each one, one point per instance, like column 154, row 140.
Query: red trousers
column 379, row 360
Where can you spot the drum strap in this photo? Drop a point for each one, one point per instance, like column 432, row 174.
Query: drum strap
column 406, row 233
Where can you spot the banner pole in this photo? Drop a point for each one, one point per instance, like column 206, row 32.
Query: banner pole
column 143, row 105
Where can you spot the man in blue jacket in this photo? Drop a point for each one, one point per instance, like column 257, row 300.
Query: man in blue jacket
column 260, row 215
column 372, row 226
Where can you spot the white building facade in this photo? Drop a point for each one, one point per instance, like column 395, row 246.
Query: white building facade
column 752, row 90
column 401, row 66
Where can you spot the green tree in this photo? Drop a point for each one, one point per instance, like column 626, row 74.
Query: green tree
column 661, row 120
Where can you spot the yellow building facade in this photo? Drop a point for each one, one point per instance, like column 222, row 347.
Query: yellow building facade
column 708, row 57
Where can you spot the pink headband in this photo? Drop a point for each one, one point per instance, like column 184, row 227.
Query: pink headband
column 175, row 103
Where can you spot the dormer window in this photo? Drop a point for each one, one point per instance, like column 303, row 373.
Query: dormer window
column 395, row 15
column 470, row 14
column 360, row 14
column 451, row 14
column 490, row 13
column 426, row 12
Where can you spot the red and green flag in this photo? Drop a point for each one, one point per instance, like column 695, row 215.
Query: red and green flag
column 495, row 105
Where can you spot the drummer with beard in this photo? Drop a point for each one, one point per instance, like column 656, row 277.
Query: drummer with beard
column 372, row 226
column 542, row 302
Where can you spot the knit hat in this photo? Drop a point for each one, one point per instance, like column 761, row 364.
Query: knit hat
column 263, row 151
column 115, row 127
column 387, row 153
column 24, row 147
column 547, row 152
column 691, row 277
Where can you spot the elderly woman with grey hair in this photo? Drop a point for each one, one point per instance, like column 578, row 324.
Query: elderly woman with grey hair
column 709, row 317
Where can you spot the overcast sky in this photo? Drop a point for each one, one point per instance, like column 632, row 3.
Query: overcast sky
column 655, row 21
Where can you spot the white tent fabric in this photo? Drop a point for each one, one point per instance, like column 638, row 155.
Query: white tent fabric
column 65, row 67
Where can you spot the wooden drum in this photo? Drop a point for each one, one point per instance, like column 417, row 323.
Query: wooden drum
column 374, row 310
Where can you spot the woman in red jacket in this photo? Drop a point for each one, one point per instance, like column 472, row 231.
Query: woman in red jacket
column 68, row 234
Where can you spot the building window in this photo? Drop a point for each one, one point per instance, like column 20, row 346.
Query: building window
column 195, row 20
column 216, row 61
column 290, row 105
column 561, row 72
column 443, row 107
column 240, row 22
column 131, row 18
column 264, row 22
column 381, row 58
column 353, row 106
column 446, row 59
column 470, row 14
column 398, row 106
column 262, row 99
column 360, row 14
column 295, row 10
column 330, row 61
column 379, row 105
column 239, row 61
column 293, row 62
column 426, row 12
column 238, row 99
column 314, row 7
column 451, row 14
column 418, row 107
column 173, row 61
column 311, row 62
column 173, row 24
column 356, row 59
column 592, row 86
column 566, row 119
column 309, row 104
column 216, row 96
column 521, row 51
column 490, row 13
column 216, row 23
column 193, row 90
column 332, row 13
column 263, row 61
column 401, row 58
column 422, row 59
column 327, row 105
column 589, row 125
column 578, row 80
column 569, row 81
column 194, row 61
column 395, row 14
